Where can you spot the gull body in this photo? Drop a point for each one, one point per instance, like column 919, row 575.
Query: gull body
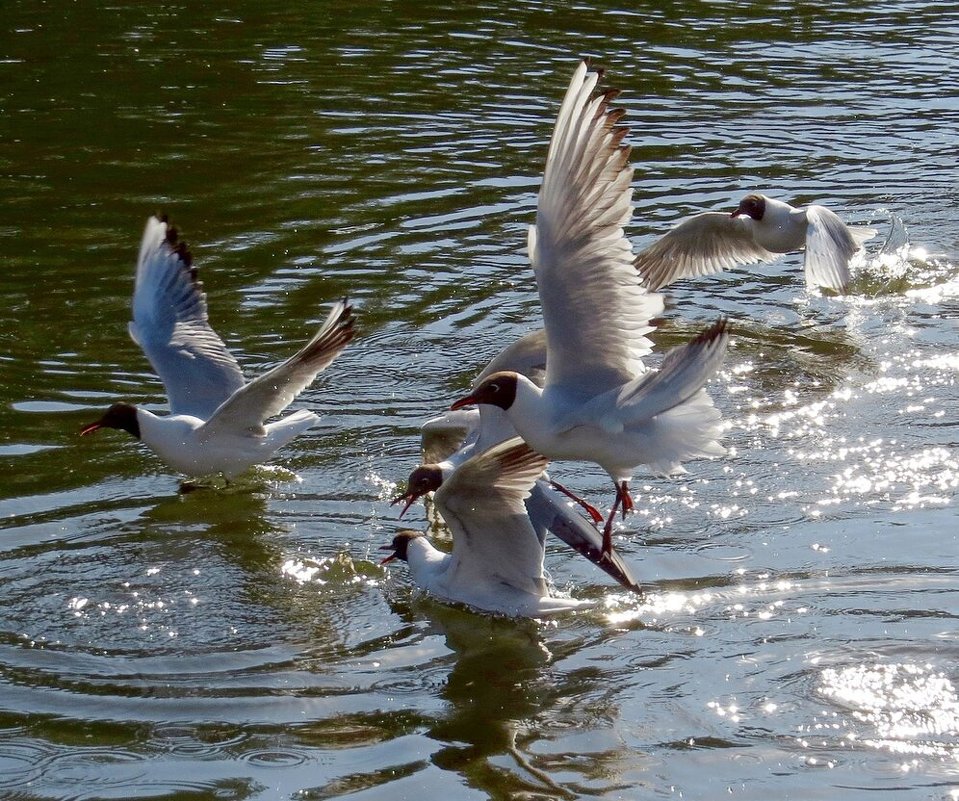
column 217, row 421
column 550, row 510
column 759, row 230
column 496, row 564
column 451, row 438
column 598, row 403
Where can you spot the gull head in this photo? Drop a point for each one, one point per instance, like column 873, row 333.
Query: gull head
column 751, row 206
column 498, row 389
column 425, row 478
column 399, row 546
column 120, row 416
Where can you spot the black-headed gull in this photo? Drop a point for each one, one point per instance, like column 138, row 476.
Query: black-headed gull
column 497, row 560
column 217, row 421
column 598, row 403
column 759, row 230
column 448, row 440
column 451, row 438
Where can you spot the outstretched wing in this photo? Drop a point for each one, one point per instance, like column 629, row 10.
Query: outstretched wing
column 684, row 372
column 482, row 503
column 273, row 391
column 596, row 311
column 552, row 511
column 699, row 245
column 170, row 324
column 830, row 244
column 441, row 437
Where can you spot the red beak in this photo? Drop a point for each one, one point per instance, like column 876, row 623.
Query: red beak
column 469, row 400
column 389, row 558
column 410, row 499
column 90, row 428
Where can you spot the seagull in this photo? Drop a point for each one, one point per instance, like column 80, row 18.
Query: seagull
column 443, row 447
column 451, row 438
column 217, row 421
column 759, row 230
column 599, row 403
column 497, row 560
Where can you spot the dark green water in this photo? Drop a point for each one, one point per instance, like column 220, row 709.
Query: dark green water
column 799, row 638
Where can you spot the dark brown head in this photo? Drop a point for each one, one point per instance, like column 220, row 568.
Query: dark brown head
column 497, row 390
column 425, row 478
column 751, row 206
column 121, row 416
column 399, row 546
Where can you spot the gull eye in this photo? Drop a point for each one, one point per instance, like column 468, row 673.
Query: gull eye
column 494, row 387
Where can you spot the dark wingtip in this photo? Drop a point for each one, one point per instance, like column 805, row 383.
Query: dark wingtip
column 716, row 330
column 177, row 247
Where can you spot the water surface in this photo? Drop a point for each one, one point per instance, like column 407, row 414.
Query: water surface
column 798, row 639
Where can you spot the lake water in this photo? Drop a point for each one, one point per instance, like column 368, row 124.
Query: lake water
column 799, row 635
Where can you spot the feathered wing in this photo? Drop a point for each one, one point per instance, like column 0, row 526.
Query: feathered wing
column 552, row 511
column 830, row 244
column 699, row 245
column 442, row 436
column 273, row 391
column 596, row 311
column 482, row 503
column 170, row 324
column 526, row 356
column 683, row 373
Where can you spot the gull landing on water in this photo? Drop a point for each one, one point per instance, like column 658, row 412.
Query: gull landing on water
column 598, row 402
column 497, row 560
column 217, row 421
column 450, row 439
column 759, row 230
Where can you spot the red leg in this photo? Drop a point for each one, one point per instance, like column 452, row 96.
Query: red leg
column 608, row 528
column 591, row 510
column 624, row 501
column 626, row 498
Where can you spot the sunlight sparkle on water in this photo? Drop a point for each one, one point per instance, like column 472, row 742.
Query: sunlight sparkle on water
column 339, row 569
column 385, row 489
column 906, row 708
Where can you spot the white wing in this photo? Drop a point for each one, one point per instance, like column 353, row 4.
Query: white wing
column 699, row 245
column 526, row 356
column 596, row 311
column 830, row 244
column 482, row 503
column 442, row 436
column 170, row 324
column 273, row 391
column 684, row 371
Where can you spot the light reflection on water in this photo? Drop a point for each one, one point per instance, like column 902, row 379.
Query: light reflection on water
column 797, row 637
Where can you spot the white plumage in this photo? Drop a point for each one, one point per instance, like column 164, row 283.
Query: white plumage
column 217, row 421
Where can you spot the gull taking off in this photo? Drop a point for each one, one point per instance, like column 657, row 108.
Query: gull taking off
column 598, row 403
column 217, row 421
column 759, row 230
column 497, row 559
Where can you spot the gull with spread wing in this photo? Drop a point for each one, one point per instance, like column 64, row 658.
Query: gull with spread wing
column 451, row 438
column 598, row 402
column 497, row 560
column 217, row 421
column 759, row 230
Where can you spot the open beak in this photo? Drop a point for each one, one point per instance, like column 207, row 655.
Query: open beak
column 469, row 400
column 409, row 497
column 389, row 558
column 89, row 429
